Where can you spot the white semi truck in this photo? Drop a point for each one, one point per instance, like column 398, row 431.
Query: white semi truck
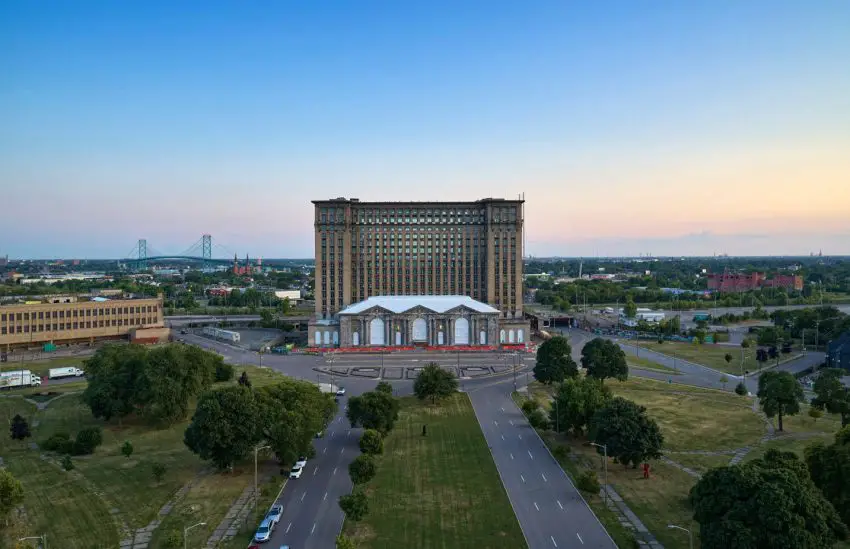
column 19, row 378
column 218, row 333
column 70, row 371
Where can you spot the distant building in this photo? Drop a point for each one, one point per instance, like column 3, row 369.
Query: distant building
column 746, row 282
column 838, row 352
column 246, row 269
column 293, row 296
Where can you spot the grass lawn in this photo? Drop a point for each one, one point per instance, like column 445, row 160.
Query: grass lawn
column 708, row 354
column 41, row 367
column 442, row 490
column 700, row 463
column 646, row 364
column 88, row 507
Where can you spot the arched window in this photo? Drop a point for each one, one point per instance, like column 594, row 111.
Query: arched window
column 336, row 338
column 376, row 332
column 327, row 337
column 461, row 331
column 355, row 339
column 520, row 336
column 420, row 330
column 482, row 338
column 318, row 337
column 510, row 336
column 501, row 336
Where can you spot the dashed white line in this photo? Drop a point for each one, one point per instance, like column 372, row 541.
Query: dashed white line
column 313, row 528
column 316, row 470
column 529, row 454
column 334, row 471
column 535, row 506
column 348, row 433
column 333, row 433
column 553, row 541
column 544, row 477
column 288, row 527
column 325, row 496
column 522, row 477
column 341, row 450
column 520, row 437
column 496, row 422
column 303, row 495
column 511, row 422
column 502, row 409
column 503, row 437
column 579, row 538
column 339, row 419
column 512, row 456
column 325, row 451
column 559, row 504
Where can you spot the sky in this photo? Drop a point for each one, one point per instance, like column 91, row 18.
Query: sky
column 649, row 127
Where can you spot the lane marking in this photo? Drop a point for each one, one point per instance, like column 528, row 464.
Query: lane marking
column 334, row 471
column 579, row 538
column 522, row 477
column 535, row 506
column 316, row 470
column 544, row 477
column 512, row 456
column 553, row 541
column 313, row 528
column 511, row 422
column 559, row 504
column 348, row 433
column 502, row 409
column 303, row 495
column 325, row 451
column 339, row 419
column 496, row 422
column 503, row 437
column 325, row 496
column 520, row 437
column 529, row 454
column 288, row 527
column 341, row 450
column 333, row 433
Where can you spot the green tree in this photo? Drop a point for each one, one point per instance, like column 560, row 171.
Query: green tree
column 434, row 383
column 19, row 429
column 815, row 414
column 362, row 469
column 630, row 309
column 223, row 371
column 11, row 493
column 602, row 358
column 538, row 420
column 354, row 505
column 371, row 442
column 343, row 542
column 831, row 395
column 576, row 402
column 373, row 410
column 384, row 387
column 588, row 482
column 554, row 361
column 746, row 343
column 728, row 358
column 67, row 464
column 829, row 467
column 158, row 470
column 630, row 436
column 113, row 376
column 87, row 440
column 779, row 395
column 266, row 318
column 226, row 425
column 244, row 381
column 741, row 389
column 127, row 449
column 767, row 502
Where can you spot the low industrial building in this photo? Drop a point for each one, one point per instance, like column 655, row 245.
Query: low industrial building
column 414, row 321
column 36, row 324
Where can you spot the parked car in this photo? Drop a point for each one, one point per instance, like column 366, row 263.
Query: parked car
column 275, row 513
column 340, row 392
column 295, row 472
column 302, row 462
column 264, row 532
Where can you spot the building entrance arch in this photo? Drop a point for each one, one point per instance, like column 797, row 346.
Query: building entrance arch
column 420, row 330
column 461, row 331
column 376, row 332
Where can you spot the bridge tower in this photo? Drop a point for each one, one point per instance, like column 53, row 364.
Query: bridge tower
column 206, row 249
column 142, row 254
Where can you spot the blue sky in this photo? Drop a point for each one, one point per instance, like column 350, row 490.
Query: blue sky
column 632, row 127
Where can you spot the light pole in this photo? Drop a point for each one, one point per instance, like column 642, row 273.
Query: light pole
column 605, row 466
column 515, row 366
column 256, row 495
column 186, row 533
column 690, row 535
column 42, row 538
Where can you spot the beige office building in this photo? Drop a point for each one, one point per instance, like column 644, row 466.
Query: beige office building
column 368, row 249
column 72, row 321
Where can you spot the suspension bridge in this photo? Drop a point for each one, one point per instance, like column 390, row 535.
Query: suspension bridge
column 202, row 251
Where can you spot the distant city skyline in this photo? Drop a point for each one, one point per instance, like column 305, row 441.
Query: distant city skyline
column 687, row 129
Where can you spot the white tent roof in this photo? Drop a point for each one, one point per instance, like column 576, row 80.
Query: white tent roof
column 402, row 303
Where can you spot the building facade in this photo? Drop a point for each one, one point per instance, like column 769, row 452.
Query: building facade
column 740, row 282
column 366, row 249
column 25, row 325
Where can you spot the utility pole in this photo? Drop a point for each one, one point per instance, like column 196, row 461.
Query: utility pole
column 256, row 495
column 605, row 466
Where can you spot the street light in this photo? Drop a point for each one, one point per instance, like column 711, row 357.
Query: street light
column 186, row 533
column 42, row 538
column 256, row 494
column 690, row 535
column 605, row 466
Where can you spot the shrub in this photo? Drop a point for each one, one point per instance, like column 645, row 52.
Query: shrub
column 588, row 482
column 88, row 440
column 174, row 540
column 69, row 447
column 354, row 505
column 538, row 420
column 561, row 452
column 741, row 389
column 223, row 372
column 127, row 448
column 158, row 470
column 54, row 442
column 362, row 469
column 528, row 407
column 67, row 464
column 371, row 442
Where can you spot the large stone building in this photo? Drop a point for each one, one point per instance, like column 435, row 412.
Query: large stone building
column 64, row 321
column 388, row 249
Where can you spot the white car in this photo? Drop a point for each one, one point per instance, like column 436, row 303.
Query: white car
column 302, row 462
column 295, row 472
column 275, row 513
column 340, row 392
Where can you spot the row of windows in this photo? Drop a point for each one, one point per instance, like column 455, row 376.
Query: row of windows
column 418, row 215
column 75, row 313
column 64, row 326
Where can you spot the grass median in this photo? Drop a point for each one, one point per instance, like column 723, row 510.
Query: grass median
column 708, row 354
column 440, row 490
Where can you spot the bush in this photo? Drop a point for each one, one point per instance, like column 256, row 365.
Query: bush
column 528, row 407
column 70, row 448
column 88, row 440
column 741, row 389
column 588, row 482
column 174, row 539
column 561, row 452
column 67, row 464
column 371, row 442
column 55, row 442
column 223, row 372
column 354, row 505
column 127, row 448
column 362, row 469
column 538, row 420
column 158, row 470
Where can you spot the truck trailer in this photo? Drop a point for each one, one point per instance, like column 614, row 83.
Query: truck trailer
column 70, row 371
column 19, row 378
column 218, row 333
